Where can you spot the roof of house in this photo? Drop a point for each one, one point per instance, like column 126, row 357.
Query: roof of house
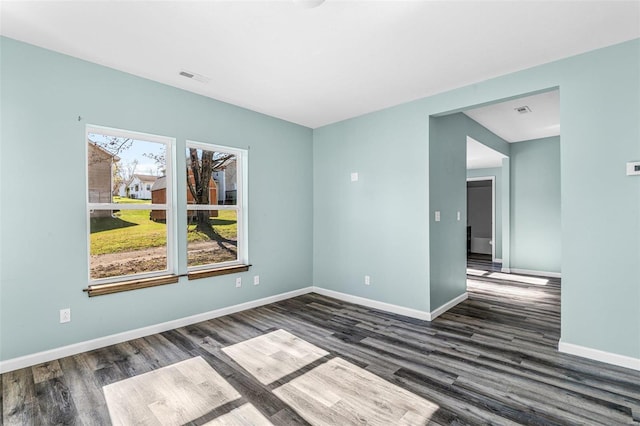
column 160, row 183
column 146, row 178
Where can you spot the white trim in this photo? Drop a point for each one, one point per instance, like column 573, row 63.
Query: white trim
column 126, row 206
column 169, row 206
column 450, row 304
column 388, row 307
column 598, row 355
column 497, row 260
column 536, row 273
column 212, row 207
column 506, row 270
column 131, row 134
column 241, row 206
column 76, row 348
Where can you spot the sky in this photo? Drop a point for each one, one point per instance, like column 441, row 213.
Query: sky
column 135, row 150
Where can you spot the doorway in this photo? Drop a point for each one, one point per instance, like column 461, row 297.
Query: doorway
column 481, row 219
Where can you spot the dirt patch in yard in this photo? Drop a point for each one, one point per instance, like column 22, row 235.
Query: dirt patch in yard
column 155, row 259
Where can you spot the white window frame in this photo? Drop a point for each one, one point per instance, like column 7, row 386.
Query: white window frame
column 240, row 207
column 169, row 206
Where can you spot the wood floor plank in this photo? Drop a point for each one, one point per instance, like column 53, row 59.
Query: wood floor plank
column 56, row 406
column 245, row 415
column 46, row 371
column 91, row 408
column 20, row 405
column 492, row 359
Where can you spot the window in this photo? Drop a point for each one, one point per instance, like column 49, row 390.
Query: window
column 215, row 216
column 132, row 222
column 126, row 238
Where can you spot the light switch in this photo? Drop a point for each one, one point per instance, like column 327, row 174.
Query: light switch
column 437, row 216
column 354, row 177
column 633, row 168
column 458, row 216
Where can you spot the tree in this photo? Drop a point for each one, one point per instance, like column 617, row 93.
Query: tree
column 200, row 167
column 124, row 175
column 116, row 179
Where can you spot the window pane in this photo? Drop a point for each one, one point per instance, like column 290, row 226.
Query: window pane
column 121, row 168
column 211, row 177
column 126, row 242
column 212, row 237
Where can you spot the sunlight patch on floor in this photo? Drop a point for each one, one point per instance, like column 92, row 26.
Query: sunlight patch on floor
column 507, row 290
column 273, row 356
column 246, row 414
column 172, row 395
column 476, row 272
column 335, row 392
column 518, row 278
column 340, row 393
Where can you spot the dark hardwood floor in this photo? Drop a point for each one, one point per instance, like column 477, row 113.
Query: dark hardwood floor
column 490, row 360
column 482, row 261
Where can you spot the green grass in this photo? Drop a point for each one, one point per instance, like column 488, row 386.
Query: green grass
column 225, row 225
column 133, row 230
column 130, row 230
column 123, row 200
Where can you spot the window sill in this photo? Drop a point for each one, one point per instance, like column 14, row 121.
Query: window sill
column 102, row 289
column 206, row 273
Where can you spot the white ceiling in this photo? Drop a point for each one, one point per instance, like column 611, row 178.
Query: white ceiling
column 316, row 66
column 542, row 121
column 480, row 156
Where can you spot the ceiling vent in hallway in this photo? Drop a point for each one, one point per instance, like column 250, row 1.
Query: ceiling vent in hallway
column 523, row 109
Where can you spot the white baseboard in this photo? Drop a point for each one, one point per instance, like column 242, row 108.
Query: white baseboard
column 388, row 307
column 505, row 270
column 496, row 260
column 536, row 273
column 450, row 304
column 52, row 354
column 76, row 348
column 396, row 309
column 598, row 355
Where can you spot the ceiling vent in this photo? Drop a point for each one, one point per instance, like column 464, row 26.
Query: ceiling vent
column 193, row 76
column 523, row 110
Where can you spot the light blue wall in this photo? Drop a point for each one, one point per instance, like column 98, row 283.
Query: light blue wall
column 600, row 116
column 505, row 198
column 600, row 205
column 535, row 205
column 496, row 172
column 378, row 226
column 43, row 248
column 368, row 227
column 486, row 137
column 447, row 195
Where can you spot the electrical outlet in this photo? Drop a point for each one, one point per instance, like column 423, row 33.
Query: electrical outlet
column 238, row 282
column 65, row 315
column 367, row 280
column 256, row 279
